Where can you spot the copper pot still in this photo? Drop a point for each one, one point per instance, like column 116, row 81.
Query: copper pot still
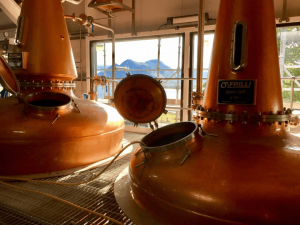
column 45, row 129
column 240, row 166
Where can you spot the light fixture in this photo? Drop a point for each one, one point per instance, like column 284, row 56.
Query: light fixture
column 185, row 20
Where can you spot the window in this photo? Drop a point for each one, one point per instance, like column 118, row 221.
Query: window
column 159, row 57
column 207, row 52
column 288, row 42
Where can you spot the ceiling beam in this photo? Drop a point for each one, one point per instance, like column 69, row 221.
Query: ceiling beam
column 11, row 9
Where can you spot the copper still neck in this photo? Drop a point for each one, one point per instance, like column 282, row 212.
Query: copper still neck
column 44, row 38
column 261, row 56
column 244, row 81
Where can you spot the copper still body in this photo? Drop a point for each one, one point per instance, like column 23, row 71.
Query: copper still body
column 240, row 166
column 46, row 129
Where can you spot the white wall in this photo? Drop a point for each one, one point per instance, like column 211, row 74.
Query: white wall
column 150, row 14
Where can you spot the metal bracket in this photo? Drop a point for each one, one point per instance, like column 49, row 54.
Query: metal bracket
column 284, row 16
column 20, row 29
column 203, row 133
column 143, row 149
column 154, row 125
column 56, row 118
column 23, row 113
column 151, row 126
column 142, row 163
column 187, row 154
column 76, row 106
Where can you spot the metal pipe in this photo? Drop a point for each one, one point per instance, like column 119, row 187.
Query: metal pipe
column 292, row 93
column 69, row 17
column 290, row 78
column 178, row 69
column 108, row 85
column 76, row 2
column 74, row 18
column 158, row 58
column 112, row 81
column 200, row 45
column 81, row 84
column 178, row 108
column 113, row 50
column 104, row 56
column 167, row 78
column 133, row 19
column 178, row 78
column 122, row 69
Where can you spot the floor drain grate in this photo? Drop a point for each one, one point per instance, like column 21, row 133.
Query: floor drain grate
column 21, row 207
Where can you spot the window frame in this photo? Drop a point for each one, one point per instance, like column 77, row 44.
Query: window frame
column 93, row 58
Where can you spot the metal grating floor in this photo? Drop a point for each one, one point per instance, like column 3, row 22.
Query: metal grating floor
column 21, row 207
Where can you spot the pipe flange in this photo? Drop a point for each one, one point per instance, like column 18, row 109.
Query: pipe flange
column 282, row 116
column 45, row 85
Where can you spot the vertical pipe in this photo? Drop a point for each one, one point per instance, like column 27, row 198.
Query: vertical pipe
column 108, row 86
column 282, row 52
column 292, row 93
column 109, row 24
column 284, row 8
column 113, row 51
column 104, row 56
column 178, row 70
column 113, row 61
column 81, row 84
column 158, row 58
column 133, row 18
column 200, row 45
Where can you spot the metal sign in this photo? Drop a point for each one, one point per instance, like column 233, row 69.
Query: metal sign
column 237, row 92
column 15, row 60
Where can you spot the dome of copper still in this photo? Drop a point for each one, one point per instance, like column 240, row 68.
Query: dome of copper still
column 46, row 130
column 243, row 167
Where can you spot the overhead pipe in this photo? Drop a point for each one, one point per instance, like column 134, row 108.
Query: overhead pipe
column 76, row 2
column 197, row 96
column 89, row 21
column 113, row 45
column 113, row 50
column 200, row 46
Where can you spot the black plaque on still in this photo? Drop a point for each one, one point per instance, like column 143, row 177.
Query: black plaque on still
column 15, row 60
column 236, row 92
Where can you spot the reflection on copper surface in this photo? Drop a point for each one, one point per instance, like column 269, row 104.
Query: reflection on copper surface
column 47, row 130
column 241, row 166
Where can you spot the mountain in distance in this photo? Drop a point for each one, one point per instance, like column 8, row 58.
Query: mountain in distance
column 142, row 68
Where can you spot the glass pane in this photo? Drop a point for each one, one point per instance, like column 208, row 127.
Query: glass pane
column 288, row 42
column 171, row 117
column 170, row 53
column 208, row 45
column 170, row 67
